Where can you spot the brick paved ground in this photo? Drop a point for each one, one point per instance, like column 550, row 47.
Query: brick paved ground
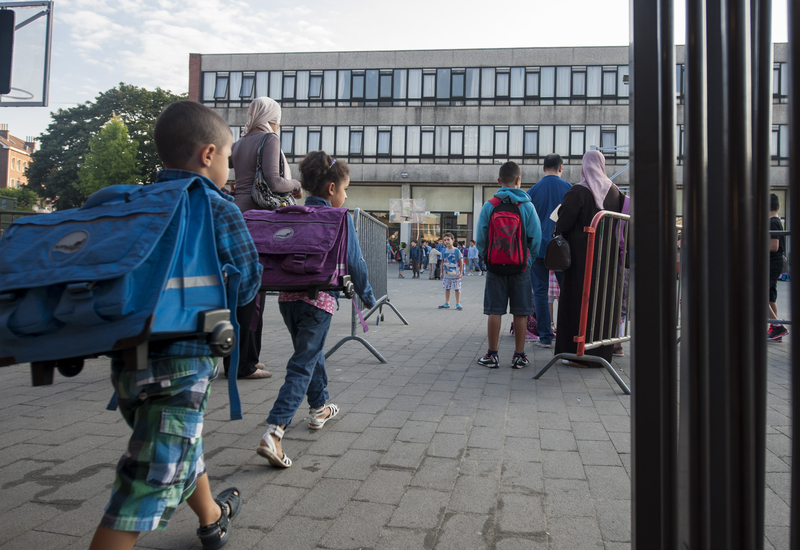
column 430, row 450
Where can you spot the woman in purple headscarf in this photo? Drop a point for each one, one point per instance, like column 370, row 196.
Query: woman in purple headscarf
column 594, row 193
column 263, row 117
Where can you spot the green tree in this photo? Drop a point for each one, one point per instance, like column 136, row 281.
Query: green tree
column 26, row 198
column 111, row 159
column 53, row 171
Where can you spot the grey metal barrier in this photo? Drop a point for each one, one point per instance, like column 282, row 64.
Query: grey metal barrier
column 372, row 238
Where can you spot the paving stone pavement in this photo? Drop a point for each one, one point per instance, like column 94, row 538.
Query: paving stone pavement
column 430, row 450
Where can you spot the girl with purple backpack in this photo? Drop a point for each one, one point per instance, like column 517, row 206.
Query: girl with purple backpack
column 325, row 180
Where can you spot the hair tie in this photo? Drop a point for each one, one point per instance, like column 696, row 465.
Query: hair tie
column 333, row 161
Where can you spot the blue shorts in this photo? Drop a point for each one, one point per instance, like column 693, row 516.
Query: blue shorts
column 508, row 291
column 164, row 404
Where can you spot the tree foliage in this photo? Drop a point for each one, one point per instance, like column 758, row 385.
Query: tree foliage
column 53, row 171
column 111, row 159
column 26, row 198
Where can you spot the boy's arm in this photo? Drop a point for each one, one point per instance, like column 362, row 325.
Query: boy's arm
column 534, row 233
column 483, row 229
column 235, row 246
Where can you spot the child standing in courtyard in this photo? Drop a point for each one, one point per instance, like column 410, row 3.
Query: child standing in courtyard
column 325, row 180
column 452, row 271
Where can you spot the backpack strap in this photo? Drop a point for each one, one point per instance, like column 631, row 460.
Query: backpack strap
column 495, row 201
column 233, row 275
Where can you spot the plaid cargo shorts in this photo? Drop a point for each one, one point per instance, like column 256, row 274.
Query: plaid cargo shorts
column 164, row 405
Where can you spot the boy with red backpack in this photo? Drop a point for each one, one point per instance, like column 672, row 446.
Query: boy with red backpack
column 509, row 233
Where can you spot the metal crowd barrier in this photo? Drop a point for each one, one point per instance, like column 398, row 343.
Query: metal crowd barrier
column 601, row 320
column 372, row 238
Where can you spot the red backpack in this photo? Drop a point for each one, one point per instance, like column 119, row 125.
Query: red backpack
column 507, row 244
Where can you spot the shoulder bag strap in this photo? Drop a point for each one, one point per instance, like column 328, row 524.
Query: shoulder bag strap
column 261, row 152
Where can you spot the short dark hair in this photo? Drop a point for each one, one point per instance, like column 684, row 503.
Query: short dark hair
column 319, row 169
column 184, row 126
column 509, row 172
column 774, row 202
column 553, row 161
column 450, row 235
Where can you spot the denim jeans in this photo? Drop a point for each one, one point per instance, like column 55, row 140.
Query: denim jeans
column 474, row 264
column 540, row 281
column 305, row 372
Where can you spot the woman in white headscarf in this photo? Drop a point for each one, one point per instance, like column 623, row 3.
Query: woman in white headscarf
column 263, row 117
column 594, row 193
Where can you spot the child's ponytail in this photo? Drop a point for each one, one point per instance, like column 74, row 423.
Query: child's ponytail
column 319, row 169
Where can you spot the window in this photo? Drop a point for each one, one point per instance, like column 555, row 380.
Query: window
column 386, row 86
column 288, row 86
column 622, row 81
column 329, row 90
column 275, row 82
column 315, row 87
column 400, row 83
column 429, row 85
column 473, row 80
column 609, row 82
column 548, row 82
column 502, row 84
column 412, row 141
column 531, row 145
column 209, row 86
column 370, row 141
column 545, row 140
column 314, row 136
column 342, row 140
column 328, row 138
column 576, row 144
column 427, row 141
column 608, row 141
column 517, row 82
column 358, row 85
column 372, row 84
column 414, row 83
column 487, row 83
column 442, row 141
column 262, row 84
column 457, row 142
column 221, row 89
column 458, row 83
column 235, row 86
column 487, row 141
column 579, row 82
column 443, row 84
column 679, row 80
column 471, row 141
column 344, row 84
column 562, row 141
column 300, row 140
column 532, row 83
column 356, row 140
column 594, row 81
column 248, row 83
column 563, row 75
column 515, row 141
column 623, row 140
column 384, row 140
column 501, row 142
column 287, row 139
column 398, row 140
column 302, row 86
column 592, row 136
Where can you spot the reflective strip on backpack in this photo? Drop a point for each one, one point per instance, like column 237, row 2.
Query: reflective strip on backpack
column 192, row 282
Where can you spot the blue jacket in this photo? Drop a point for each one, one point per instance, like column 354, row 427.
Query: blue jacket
column 416, row 253
column 546, row 196
column 356, row 265
column 530, row 220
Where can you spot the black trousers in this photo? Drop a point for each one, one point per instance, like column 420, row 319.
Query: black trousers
column 249, row 340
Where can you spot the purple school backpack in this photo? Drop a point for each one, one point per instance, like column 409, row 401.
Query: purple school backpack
column 302, row 248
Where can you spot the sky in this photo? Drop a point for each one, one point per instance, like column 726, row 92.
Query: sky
column 99, row 43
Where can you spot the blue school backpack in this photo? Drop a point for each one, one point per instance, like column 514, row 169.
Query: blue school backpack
column 133, row 266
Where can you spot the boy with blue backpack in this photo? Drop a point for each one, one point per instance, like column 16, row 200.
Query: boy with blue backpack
column 509, row 233
column 164, row 403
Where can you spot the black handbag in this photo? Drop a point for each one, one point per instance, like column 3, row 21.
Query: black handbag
column 557, row 256
column 261, row 194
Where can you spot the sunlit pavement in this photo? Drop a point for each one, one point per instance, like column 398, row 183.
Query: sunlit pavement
column 429, row 450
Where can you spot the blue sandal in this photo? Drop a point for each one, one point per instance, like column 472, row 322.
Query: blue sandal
column 216, row 535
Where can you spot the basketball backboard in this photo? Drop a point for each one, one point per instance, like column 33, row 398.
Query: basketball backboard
column 30, row 65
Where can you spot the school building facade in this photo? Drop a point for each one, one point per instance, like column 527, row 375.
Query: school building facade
column 437, row 124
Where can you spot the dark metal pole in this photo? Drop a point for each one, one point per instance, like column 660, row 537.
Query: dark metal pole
column 653, row 412
column 761, row 34
column 694, row 468
column 737, row 169
column 718, row 303
column 794, row 197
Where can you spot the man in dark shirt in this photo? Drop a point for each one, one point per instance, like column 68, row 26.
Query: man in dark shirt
column 777, row 258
